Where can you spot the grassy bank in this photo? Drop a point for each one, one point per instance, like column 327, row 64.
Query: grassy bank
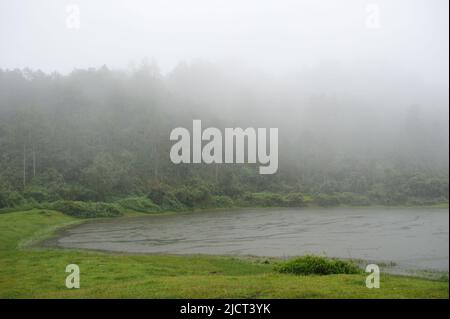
column 168, row 203
column 27, row 272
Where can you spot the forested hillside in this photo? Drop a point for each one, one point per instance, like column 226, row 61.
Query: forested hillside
column 102, row 135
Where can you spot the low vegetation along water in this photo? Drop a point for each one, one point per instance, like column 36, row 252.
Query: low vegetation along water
column 413, row 238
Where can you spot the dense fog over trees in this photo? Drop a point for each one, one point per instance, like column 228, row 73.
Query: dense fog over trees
column 100, row 134
column 358, row 92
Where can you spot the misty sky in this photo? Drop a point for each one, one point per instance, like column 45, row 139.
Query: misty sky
column 278, row 36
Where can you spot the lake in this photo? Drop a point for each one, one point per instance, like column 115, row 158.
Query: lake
column 412, row 238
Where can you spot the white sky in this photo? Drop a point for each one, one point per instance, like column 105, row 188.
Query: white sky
column 275, row 35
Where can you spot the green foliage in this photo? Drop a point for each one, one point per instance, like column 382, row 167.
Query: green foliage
column 51, row 153
column 165, row 197
column 157, row 193
column 263, row 199
column 105, row 210
column 352, row 199
column 86, row 209
column 108, row 175
column 170, row 203
column 9, row 198
column 192, row 196
column 220, row 201
column 273, row 200
column 229, row 185
column 326, row 200
column 139, row 204
column 421, row 187
column 77, row 192
column 39, row 194
column 294, row 200
column 316, row 265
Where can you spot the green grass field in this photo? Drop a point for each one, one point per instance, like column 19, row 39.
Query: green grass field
column 31, row 272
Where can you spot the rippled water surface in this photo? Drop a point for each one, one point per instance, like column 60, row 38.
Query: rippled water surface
column 414, row 238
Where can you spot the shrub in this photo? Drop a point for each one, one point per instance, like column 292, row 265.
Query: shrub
column 221, row 201
column 158, row 192
column 264, row 199
column 139, row 204
column 10, row 198
column 315, row 265
column 294, row 200
column 353, row 199
column 274, row 200
column 171, row 203
column 45, row 186
column 86, row 209
column 39, row 194
column 77, row 192
column 184, row 196
column 327, row 200
column 105, row 210
column 192, row 196
column 164, row 197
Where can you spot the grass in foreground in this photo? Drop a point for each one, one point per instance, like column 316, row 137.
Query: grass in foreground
column 40, row 273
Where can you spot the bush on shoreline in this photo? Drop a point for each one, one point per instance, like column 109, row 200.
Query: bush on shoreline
column 316, row 265
column 162, row 197
column 139, row 204
column 86, row 209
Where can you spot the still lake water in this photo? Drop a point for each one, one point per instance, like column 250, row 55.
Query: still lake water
column 413, row 238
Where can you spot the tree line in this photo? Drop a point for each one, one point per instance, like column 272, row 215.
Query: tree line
column 102, row 135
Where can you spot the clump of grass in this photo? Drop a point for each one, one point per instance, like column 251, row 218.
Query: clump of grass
column 86, row 209
column 139, row 204
column 316, row 265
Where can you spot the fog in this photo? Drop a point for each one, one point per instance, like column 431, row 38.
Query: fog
column 358, row 90
column 274, row 36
